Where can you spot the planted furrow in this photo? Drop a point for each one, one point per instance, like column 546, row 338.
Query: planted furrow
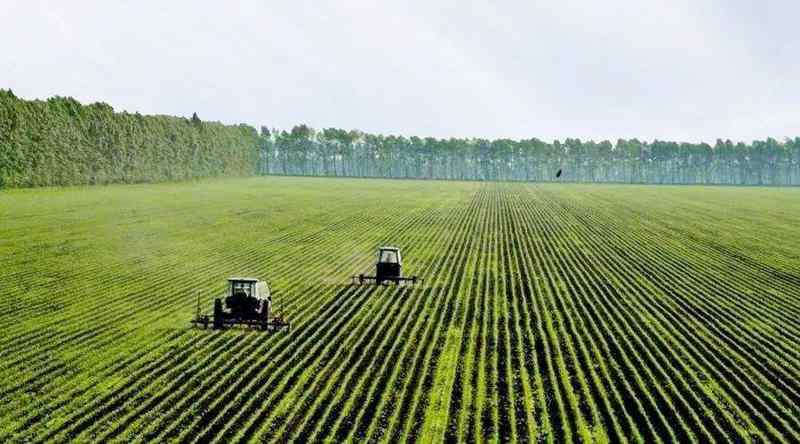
column 461, row 389
column 340, row 404
column 384, row 424
column 549, row 313
column 686, row 411
column 694, row 338
column 454, row 283
column 266, row 377
column 635, row 310
column 593, row 390
column 631, row 372
column 618, row 405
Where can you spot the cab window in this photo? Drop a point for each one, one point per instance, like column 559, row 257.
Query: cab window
column 388, row 256
column 247, row 287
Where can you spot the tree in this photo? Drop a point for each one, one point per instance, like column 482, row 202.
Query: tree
column 339, row 152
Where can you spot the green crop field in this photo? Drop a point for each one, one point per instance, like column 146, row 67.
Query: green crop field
column 548, row 313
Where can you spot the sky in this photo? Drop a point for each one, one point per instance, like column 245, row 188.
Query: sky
column 673, row 69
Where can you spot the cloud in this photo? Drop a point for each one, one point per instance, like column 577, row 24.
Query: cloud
column 668, row 69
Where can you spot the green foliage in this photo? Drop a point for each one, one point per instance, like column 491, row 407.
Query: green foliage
column 62, row 142
column 336, row 152
column 549, row 313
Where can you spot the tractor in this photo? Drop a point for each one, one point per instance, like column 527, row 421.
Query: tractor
column 247, row 302
column 388, row 268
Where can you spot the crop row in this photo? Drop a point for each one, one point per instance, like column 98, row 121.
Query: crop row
column 548, row 313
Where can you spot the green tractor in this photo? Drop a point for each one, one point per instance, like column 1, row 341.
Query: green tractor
column 247, row 302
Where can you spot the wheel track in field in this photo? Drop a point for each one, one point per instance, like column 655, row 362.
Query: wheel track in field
column 484, row 408
column 490, row 413
column 477, row 383
column 528, row 423
column 561, row 408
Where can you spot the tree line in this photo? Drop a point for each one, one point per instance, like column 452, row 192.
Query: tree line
column 336, row 152
column 59, row 141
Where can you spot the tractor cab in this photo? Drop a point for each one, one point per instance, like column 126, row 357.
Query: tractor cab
column 388, row 268
column 389, row 264
column 247, row 302
column 248, row 298
column 247, row 287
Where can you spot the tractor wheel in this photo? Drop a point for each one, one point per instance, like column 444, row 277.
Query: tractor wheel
column 219, row 320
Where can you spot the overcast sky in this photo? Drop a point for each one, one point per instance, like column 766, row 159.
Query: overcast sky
column 673, row 69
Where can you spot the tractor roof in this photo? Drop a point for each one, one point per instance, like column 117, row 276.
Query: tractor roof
column 243, row 279
column 389, row 248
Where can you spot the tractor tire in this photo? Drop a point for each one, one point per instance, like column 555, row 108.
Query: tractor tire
column 219, row 315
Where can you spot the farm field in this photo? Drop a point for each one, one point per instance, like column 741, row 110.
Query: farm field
column 548, row 313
